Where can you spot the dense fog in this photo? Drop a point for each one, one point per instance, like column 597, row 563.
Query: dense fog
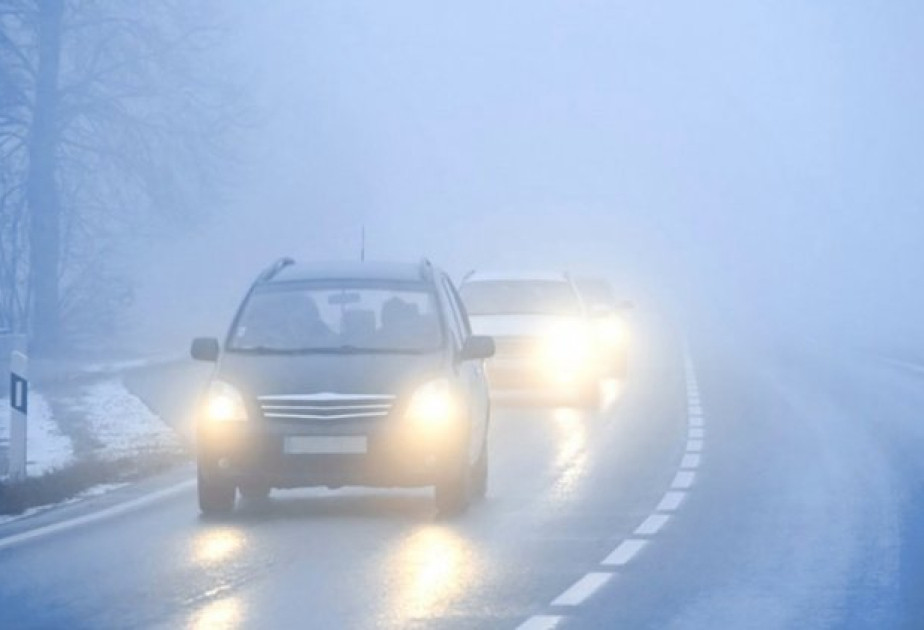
column 749, row 163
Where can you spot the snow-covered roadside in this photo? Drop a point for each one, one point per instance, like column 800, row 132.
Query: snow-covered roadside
column 122, row 423
column 81, row 438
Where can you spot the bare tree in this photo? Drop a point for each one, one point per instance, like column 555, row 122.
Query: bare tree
column 118, row 114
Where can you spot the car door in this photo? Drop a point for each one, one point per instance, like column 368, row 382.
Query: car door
column 471, row 372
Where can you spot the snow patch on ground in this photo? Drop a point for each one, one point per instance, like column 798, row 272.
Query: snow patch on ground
column 47, row 448
column 122, row 423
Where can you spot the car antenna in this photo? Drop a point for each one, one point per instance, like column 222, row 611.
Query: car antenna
column 362, row 247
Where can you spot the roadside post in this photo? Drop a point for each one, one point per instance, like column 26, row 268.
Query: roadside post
column 19, row 410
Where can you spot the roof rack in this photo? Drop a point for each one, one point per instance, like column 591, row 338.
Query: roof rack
column 277, row 266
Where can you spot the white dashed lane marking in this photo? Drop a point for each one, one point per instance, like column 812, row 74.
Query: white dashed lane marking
column 629, row 548
column 582, row 589
column 652, row 525
column 624, row 553
column 671, row 501
column 541, row 622
column 683, row 480
column 690, row 460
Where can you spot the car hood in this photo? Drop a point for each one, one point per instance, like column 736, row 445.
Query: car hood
column 519, row 325
column 360, row 374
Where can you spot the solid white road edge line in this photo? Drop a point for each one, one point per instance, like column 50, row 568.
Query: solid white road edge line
column 115, row 510
column 582, row 589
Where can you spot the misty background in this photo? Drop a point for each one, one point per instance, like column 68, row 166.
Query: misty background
column 753, row 164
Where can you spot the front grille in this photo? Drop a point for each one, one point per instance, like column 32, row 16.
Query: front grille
column 326, row 406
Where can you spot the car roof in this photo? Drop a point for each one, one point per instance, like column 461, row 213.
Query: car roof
column 352, row 270
column 517, row 276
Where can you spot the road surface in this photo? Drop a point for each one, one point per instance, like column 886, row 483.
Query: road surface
column 720, row 489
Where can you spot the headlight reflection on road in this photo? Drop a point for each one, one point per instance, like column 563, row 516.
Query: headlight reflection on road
column 212, row 549
column 610, row 391
column 434, row 564
column 221, row 614
column 216, row 545
column 571, row 457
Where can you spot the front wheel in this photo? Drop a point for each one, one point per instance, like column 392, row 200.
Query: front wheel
column 216, row 496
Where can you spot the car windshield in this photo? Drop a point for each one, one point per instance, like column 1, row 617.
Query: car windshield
column 338, row 317
column 520, row 297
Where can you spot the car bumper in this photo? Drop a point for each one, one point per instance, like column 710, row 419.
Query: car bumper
column 389, row 459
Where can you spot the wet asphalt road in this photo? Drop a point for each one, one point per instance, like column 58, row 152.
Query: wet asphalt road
column 803, row 512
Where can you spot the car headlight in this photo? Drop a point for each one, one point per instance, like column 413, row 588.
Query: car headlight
column 612, row 331
column 433, row 403
column 224, row 403
column 566, row 348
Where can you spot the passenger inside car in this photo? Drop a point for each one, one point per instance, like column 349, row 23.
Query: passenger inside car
column 400, row 323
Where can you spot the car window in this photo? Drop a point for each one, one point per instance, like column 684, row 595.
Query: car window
column 458, row 329
column 346, row 317
column 458, row 307
column 520, row 297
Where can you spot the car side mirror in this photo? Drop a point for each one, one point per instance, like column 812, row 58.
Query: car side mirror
column 477, row 347
column 205, row 349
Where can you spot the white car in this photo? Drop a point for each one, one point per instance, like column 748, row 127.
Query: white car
column 543, row 334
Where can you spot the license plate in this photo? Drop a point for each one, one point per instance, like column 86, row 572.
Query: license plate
column 324, row 445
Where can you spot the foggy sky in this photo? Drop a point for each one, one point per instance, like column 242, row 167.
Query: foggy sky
column 729, row 158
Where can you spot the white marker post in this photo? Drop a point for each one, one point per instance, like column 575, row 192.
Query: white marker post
column 19, row 410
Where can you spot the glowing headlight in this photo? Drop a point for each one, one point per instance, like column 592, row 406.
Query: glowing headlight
column 224, row 403
column 566, row 348
column 432, row 403
column 612, row 331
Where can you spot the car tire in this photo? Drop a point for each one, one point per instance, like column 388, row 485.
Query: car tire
column 453, row 493
column 254, row 490
column 216, row 496
column 480, row 474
